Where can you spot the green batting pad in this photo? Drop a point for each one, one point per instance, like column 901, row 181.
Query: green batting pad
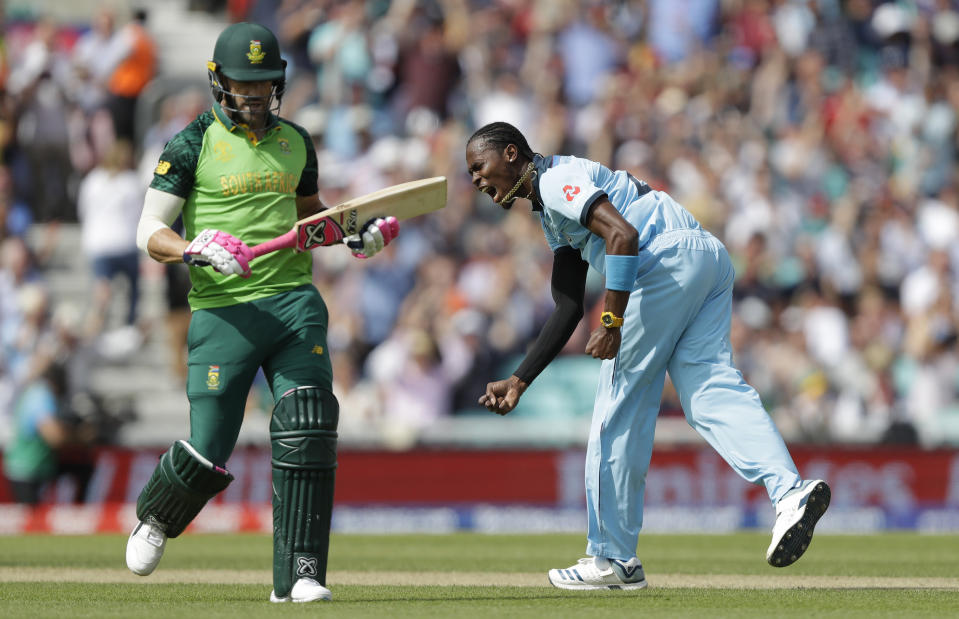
column 303, row 429
column 303, row 438
column 302, row 509
column 181, row 485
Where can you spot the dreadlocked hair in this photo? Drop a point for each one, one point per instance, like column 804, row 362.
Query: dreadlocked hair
column 501, row 135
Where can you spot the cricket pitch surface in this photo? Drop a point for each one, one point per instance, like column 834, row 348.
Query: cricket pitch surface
column 470, row 579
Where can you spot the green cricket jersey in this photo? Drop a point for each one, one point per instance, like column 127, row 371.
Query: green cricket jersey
column 248, row 188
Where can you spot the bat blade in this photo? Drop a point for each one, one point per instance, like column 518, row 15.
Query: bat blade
column 402, row 201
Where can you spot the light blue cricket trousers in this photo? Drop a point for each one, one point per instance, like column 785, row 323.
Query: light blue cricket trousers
column 678, row 319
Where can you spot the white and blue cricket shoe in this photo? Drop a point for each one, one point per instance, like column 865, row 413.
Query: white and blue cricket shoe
column 600, row 573
column 796, row 516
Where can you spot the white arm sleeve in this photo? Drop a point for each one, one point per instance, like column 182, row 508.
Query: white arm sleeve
column 160, row 210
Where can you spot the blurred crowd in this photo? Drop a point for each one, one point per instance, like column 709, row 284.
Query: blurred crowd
column 817, row 138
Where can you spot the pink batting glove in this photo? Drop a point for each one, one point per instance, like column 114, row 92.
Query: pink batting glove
column 220, row 250
column 373, row 236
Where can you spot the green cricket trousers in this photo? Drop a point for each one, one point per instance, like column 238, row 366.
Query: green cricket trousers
column 285, row 334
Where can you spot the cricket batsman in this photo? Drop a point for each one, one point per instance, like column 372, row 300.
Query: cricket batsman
column 668, row 307
column 240, row 175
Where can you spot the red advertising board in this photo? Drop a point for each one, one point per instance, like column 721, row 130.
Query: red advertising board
column 685, row 476
column 874, row 487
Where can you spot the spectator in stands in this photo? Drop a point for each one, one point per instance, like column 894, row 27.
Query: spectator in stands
column 92, row 65
column 589, row 52
column 109, row 205
column 91, row 60
column 357, row 394
column 676, row 31
column 295, row 22
column 133, row 57
column 17, row 271
column 428, row 69
column 793, row 131
column 30, row 460
column 38, row 84
column 414, row 379
column 340, row 52
column 15, row 215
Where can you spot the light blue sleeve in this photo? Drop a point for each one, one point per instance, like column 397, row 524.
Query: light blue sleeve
column 568, row 190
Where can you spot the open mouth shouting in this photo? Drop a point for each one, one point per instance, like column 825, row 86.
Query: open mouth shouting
column 490, row 191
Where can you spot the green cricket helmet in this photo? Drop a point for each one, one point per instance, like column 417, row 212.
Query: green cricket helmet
column 246, row 52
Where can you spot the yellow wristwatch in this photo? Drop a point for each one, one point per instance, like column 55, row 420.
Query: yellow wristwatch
column 611, row 320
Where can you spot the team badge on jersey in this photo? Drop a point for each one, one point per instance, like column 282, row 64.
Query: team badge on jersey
column 213, row 378
column 162, row 168
column 256, row 54
column 222, row 151
column 284, row 146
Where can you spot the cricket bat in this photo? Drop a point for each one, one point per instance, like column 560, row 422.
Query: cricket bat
column 402, row 201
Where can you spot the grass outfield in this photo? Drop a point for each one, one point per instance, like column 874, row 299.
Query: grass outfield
column 469, row 575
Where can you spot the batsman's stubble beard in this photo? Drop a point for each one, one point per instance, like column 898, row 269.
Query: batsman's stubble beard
column 254, row 120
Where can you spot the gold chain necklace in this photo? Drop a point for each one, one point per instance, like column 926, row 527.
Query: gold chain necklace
column 522, row 179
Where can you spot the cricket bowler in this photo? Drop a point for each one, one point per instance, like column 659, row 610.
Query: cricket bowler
column 668, row 307
column 240, row 175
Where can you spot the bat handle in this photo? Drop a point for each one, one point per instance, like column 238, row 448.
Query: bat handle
column 284, row 241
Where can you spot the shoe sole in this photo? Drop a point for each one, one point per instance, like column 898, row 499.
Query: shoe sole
column 584, row 587
column 795, row 541
column 323, row 598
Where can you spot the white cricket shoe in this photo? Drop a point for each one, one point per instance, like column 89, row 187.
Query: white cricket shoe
column 600, row 573
column 304, row 590
column 796, row 516
column 145, row 548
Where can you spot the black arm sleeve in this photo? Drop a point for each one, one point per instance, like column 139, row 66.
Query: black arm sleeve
column 569, row 288
column 308, row 178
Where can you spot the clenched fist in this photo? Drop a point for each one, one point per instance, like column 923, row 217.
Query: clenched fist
column 502, row 396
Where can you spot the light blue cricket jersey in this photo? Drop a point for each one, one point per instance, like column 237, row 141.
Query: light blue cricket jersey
column 568, row 186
